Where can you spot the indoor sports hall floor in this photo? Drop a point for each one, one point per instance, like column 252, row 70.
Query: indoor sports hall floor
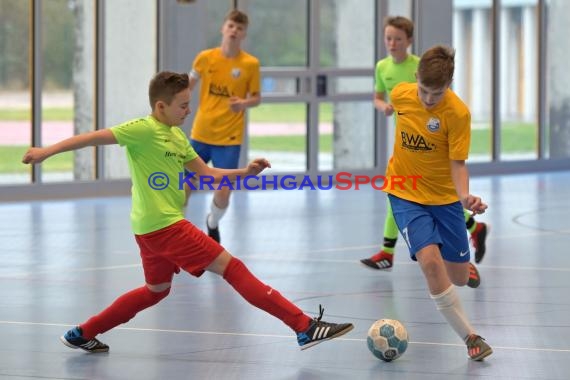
column 62, row 261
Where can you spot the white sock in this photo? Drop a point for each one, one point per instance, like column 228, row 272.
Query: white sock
column 449, row 305
column 215, row 215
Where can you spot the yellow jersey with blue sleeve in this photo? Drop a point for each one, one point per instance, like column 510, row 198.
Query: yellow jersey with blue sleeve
column 221, row 78
column 156, row 155
column 426, row 142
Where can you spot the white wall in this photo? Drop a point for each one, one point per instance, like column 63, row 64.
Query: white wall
column 130, row 63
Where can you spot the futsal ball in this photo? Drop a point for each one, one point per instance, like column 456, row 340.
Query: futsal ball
column 387, row 339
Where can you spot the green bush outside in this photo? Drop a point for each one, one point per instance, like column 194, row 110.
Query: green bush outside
column 516, row 137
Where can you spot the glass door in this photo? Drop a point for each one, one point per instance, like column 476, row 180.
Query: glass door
column 316, row 113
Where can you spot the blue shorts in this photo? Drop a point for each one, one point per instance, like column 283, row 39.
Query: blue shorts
column 422, row 225
column 222, row 156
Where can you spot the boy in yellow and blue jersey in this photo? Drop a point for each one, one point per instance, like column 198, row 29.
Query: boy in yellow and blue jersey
column 229, row 84
column 433, row 132
column 399, row 67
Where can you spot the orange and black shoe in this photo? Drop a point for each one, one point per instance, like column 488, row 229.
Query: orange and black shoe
column 477, row 348
column 478, row 239
column 474, row 278
column 381, row 260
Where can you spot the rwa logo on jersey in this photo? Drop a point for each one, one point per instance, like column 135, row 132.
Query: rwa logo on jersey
column 416, row 142
column 219, row 90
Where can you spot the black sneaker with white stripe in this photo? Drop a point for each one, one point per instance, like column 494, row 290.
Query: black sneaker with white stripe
column 319, row 331
column 74, row 339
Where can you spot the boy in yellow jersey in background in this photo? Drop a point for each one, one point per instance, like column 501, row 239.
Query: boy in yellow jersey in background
column 433, row 133
column 230, row 83
column 400, row 67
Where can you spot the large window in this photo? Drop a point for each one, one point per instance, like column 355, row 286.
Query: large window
column 67, row 56
column 267, row 38
column 312, row 116
column 278, row 131
column 473, row 70
column 519, row 86
column 558, row 79
column 65, row 50
column 317, row 62
column 15, row 98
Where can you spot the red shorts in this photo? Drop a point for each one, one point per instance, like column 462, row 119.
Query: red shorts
column 180, row 245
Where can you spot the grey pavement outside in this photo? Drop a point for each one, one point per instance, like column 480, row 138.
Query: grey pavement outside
column 23, row 100
column 18, row 132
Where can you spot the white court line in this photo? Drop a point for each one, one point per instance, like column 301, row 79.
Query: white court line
column 528, row 234
column 70, row 270
column 512, row 348
column 280, row 257
column 497, row 347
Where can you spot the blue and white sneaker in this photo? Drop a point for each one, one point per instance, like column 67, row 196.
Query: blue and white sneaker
column 319, row 331
column 74, row 339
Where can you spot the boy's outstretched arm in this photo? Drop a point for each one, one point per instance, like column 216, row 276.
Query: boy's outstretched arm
column 100, row 137
column 253, row 168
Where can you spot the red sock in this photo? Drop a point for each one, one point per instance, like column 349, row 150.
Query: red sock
column 121, row 311
column 264, row 297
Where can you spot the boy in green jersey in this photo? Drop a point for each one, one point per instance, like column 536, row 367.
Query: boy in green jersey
column 158, row 152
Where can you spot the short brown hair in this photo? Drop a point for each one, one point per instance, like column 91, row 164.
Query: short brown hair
column 165, row 85
column 402, row 23
column 436, row 66
column 238, row 17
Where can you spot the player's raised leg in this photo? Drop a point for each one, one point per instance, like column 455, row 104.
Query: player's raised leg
column 309, row 331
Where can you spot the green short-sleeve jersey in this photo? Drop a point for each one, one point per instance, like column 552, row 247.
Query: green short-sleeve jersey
column 388, row 73
column 156, row 154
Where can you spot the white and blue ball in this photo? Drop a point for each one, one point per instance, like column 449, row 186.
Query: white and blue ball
column 387, row 339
